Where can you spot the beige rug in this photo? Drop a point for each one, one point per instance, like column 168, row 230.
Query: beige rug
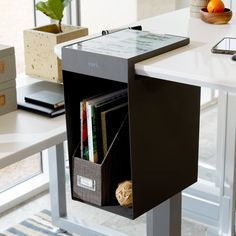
column 38, row 225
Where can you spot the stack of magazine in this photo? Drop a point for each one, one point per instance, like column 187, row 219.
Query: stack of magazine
column 101, row 117
column 44, row 97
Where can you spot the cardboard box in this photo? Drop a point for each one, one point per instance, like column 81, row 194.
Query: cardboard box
column 7, row 80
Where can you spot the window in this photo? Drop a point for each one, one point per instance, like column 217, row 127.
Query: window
column 20, row 172
column 208, row 135
column 28, row 177
column 15, row 17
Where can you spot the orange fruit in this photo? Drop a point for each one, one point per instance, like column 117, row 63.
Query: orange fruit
column 215, row 6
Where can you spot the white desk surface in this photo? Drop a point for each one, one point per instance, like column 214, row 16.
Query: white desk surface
column 24, row 133
column 193, row 64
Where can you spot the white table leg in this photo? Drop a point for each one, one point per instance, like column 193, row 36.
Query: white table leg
column 227, row 140
column 165, row 219
column 57, row 182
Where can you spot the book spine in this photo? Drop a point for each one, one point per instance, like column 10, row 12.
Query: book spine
column 98, row 128
column 104, row 133
column 84, row 132
column 90, row 133
column 81, row 129
column 93, row 117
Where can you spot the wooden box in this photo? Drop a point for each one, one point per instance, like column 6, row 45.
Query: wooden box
column 39, row 43
column 7, row 79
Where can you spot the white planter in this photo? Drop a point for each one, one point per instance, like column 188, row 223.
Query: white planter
column 40, row 59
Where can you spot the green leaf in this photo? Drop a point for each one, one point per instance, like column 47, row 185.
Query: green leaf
column 66, row 2
column 42, row 6
column 51, row 8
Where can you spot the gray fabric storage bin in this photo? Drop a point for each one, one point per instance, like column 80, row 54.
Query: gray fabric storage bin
column 96, row 183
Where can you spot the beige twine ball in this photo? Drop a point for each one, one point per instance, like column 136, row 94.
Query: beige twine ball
column 124, row 193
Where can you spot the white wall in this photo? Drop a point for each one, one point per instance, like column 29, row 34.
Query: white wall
column 148, row 8
column 181, row 3
column 230, row 3
column 106, row 14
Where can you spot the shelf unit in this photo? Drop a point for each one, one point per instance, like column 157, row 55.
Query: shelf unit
column 157, row 147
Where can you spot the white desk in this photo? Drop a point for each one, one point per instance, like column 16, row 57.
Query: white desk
column 196, row 65
column 193, row 64
column 23, row 134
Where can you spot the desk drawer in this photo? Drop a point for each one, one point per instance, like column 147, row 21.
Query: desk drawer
column 7, row 64
column 7, row 97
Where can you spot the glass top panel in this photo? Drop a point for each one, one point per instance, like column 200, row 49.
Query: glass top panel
column 127, row 43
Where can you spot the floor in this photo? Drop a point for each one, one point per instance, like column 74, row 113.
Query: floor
column 131, row 227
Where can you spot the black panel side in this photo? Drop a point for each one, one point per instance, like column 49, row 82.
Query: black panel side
column 164, row 136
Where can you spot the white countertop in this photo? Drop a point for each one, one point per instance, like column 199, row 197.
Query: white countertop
column 193, row 64
column 23, row 133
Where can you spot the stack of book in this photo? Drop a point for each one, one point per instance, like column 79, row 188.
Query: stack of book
column 44, row 97
column 101, row 117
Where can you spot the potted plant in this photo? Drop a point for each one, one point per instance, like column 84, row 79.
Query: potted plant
column 39, row 42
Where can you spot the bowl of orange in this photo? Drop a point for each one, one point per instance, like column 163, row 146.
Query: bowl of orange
column 216, row 13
